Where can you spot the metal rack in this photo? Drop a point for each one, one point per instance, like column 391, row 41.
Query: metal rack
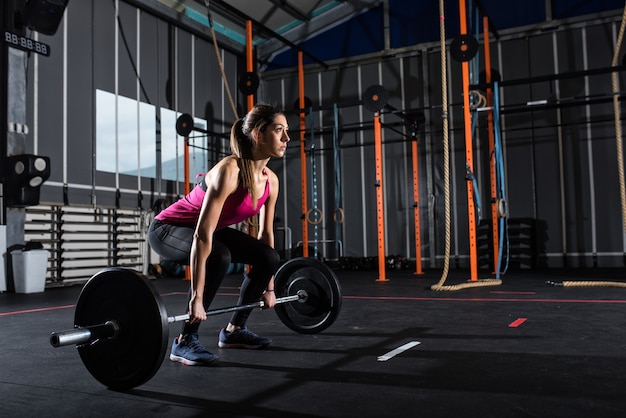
column 83, row 241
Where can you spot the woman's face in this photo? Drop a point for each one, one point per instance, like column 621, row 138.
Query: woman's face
column 273, row 141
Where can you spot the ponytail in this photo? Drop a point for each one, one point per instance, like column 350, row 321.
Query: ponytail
column 242, row 144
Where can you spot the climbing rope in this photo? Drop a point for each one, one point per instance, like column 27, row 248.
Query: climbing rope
column 618, row 124
column 446, row 172
column 446, row 145
column 620, row 160
column 219, row 61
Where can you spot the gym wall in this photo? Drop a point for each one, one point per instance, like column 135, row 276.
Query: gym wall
column 561, row 172
column 138, row 56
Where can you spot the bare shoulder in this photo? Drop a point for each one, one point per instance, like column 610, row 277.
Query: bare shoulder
column 273, row 180
column 224, row 175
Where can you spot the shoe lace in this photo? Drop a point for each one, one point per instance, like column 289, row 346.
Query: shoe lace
column 194, row 344
column 246, row 334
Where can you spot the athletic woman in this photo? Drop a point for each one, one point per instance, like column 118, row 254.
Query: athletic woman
column 197, row 230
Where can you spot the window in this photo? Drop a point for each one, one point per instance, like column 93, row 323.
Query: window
column 126, row 140
column 125, row 135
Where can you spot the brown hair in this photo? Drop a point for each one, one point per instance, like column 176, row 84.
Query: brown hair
column 241, row 142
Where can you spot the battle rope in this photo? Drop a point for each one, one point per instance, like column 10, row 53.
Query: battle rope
column 620, row 160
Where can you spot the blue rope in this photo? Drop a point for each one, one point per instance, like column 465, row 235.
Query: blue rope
column 500, row 186
column 313, row 179
column 469, row 175
column 337, row 175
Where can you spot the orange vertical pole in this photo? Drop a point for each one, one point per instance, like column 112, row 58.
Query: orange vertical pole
column 380, row 215
column 492, row 165
column 469, row 157
column 305, row 226
column 252, row 229
column 249, row 58
column 416, row 209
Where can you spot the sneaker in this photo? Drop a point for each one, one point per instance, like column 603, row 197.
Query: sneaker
column 242, row 338
column 190, row 352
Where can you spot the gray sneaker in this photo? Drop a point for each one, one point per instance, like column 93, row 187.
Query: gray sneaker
column 190, row 352
column 242, row 338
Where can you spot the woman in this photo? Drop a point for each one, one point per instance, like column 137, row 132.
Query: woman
column 195, row 230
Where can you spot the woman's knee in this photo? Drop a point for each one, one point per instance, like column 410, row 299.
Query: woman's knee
column 271, row 259
column 219, row 259
column 274, row 260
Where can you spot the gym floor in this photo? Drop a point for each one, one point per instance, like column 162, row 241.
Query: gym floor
column 521, row 349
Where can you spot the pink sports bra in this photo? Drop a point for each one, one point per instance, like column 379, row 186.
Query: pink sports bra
column 237, row 207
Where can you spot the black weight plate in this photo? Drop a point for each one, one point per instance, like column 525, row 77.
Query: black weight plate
column 323, row 303
column 135, row 355
column 248, row 83
column 184, row 124
column 375, row 98
column 464, row 48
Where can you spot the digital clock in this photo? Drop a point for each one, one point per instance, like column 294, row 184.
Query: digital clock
column 26, row 44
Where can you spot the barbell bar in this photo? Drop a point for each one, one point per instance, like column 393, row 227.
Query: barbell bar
column 111, row 328
column 121, row 328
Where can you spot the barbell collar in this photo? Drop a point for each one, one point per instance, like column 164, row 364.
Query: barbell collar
column 85, row 335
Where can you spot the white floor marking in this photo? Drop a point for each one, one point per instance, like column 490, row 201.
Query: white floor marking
column 398, row 350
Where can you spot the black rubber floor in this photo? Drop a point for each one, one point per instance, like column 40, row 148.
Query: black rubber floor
column 521, row 349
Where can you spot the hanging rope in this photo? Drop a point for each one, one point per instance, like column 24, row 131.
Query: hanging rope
column 620, row 160
column 500, row 189
column 446, row 145
column 219, row 61
column 314, row 215
column 618, row 124
column 446, row 171
column 338, row 216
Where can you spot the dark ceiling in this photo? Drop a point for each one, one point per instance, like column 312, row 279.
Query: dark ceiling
column 338, row 29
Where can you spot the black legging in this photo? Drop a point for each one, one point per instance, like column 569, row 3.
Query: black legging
column 230, row 245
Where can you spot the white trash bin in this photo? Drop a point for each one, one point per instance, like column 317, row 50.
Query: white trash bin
column 29, row 270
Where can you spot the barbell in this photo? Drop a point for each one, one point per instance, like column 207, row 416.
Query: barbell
column 121, row 327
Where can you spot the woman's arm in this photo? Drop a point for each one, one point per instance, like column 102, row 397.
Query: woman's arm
column 266, row 230
column 268, row 210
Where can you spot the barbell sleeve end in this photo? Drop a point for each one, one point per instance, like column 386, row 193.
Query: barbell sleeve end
column 84, row 335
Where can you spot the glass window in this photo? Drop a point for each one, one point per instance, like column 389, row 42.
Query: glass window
column 172, row 151
column 131, row 148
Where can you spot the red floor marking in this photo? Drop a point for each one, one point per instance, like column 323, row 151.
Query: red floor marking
column 53, row 308
column 517, row 322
